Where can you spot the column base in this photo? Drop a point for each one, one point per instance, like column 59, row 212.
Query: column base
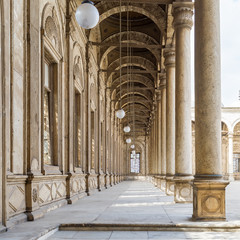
column 163, row 183
column 170, row 185
column 209, row 200
column 158, row 182
column 155, row 181
column 183, row 190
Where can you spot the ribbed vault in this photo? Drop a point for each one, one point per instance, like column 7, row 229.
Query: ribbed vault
column 143, row 34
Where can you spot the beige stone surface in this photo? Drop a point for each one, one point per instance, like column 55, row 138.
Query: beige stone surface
column 163, row 126
column 182, row 23
column 136, row 204
column 208, row 89
column 83, row 140
column 169, row 55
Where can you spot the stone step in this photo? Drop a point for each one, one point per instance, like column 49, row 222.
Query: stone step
column 191, row 227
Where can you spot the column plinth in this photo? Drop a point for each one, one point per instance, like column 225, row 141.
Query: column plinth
column 170, row 185
column 183, row 12
column 209, row 200
column 209, row 188
column 183, row 190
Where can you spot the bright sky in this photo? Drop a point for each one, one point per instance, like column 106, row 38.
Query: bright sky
column 230, row 44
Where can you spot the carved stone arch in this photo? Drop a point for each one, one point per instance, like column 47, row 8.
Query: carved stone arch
column 135, row 61
column 136, row 38
column 140, row 148
column 156, row 14
column 78, row 66
column 139, row 124
column 51, row 26
column 141, row 108
column 137, row 100
column 235, row 124
column 125, row 93
column 136, row 78
column 155, row 52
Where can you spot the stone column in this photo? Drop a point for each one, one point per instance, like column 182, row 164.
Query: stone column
column 230, row 157
column 163, row 133
column 154, row 156
column 169, row 55
column 159, row 137
column 183, row 12
column 208, row 186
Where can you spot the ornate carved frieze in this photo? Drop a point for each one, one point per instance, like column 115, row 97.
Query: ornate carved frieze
column 52, row 28
column 183, row 13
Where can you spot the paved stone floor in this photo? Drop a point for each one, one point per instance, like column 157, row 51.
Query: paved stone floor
column 142, row 235
column 129, row 202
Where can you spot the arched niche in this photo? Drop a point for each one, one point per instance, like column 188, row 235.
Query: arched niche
column 236, row 150
column 225, row 148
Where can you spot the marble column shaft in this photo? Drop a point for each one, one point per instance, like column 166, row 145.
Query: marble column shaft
column 163, row 132
column 182, row 23
column 169, row 55
column 209, row 189
column 159, row 131
column 208, row 89
column 158, row 136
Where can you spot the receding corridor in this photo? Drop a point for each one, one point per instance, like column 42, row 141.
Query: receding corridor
column 136, row 204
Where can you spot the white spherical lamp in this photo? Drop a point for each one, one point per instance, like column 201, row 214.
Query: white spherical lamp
column 120, row 113
column 127, row 129
column 132, row 146
column 128, row 140
column 87, row 15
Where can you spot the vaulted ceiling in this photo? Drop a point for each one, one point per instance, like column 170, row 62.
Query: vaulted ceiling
column 143, row 34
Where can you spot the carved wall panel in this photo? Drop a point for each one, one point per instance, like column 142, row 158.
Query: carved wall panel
column 50, row 191
column 92, row 181
column 78, row 184
column 16, row 196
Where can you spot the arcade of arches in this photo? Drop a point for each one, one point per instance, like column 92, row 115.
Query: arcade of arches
column 61, row 86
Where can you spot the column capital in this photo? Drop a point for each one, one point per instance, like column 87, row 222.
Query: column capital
column 163, row 80
column 158, row 95
column 169, row 55
column 182, row 13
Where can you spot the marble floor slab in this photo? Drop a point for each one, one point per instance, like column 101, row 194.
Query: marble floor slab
column 129, row 202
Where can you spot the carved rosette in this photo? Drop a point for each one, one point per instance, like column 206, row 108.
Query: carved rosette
column 170, row 185
column 183, row 191
column 34, row 195
column 183, row 13
column 169, row 55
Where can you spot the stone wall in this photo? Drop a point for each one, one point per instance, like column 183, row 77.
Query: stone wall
column 34, row 33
